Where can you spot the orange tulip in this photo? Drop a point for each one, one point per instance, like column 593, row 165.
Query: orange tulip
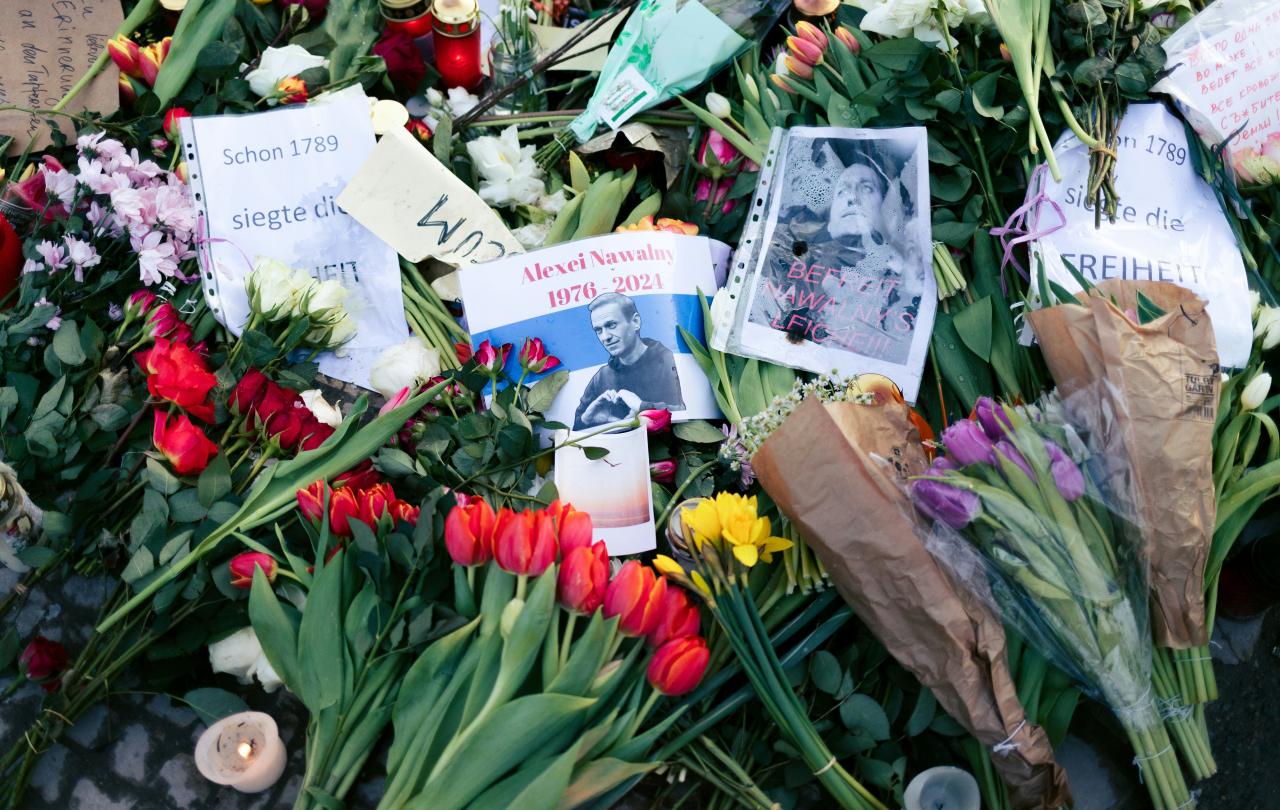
column 678, row 666
column 468, row 533
column 805, row 51
column 678, row 617
column 811, row 32
column 635, row 595
column 573, row 528
column 524, row 543
column 583, row 578
column 797, row 68
column 126, row 54
column 781, row 83
column 848, row 39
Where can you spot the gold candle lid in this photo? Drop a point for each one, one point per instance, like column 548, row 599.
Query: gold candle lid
column 816, row 8
column 455, row 12
column 173, row 5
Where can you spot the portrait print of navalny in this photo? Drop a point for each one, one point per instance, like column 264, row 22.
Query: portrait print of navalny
column 640, row 373
column 845, row 263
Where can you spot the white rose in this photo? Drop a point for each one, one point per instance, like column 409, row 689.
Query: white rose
column 271, row 288
column 404, row 365
column 236, row 654
column 333, row 333
column 326, row 297
column 324, row 413
column 266, row 674
column 281, row 63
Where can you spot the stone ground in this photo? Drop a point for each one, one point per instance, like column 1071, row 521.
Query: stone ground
column 136, row 752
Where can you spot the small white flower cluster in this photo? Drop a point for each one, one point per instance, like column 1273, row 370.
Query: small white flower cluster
column 827, row 388
column 921, row 18
column 278, row 292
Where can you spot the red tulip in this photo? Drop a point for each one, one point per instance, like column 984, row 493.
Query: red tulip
column 43, row 661
column 524, row 543
column 10, row 257
column 126, row 54
column 151, row 58
column 573, row 528
column 405, row 512
column 342, row 507
column 635, row 595
column 534, row 358
column 361, row 476
column 374, row 503
column 182, row 443
column 171, row 120
column 656, row 420
column 583, row 578
column 463, row 350
column 32, row 191
column 242, row 566
column 490, row 359
column 662, row 472
column 678, row 617
column 468, row 533
column 677, row 666
column 311, row 502
column 128, row 93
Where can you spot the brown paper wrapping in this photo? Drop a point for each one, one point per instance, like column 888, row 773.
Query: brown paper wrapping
column 1154, row 417
column 818, row 467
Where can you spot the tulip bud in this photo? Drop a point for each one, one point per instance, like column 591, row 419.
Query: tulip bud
column 635, row 596
column 405, row 512
column 811, row 32
column 749, row 88
column 1255, row 393
column 128, row 93
column 678, row 617
column 805, row 51
column 662, row 472
column 1267, row 326
column 781, row 83
column 374, row 503
column 583, row 578
column 656, row 420
column 181, row 172
column 1005, row 54
column 43, row 661
column 573, row 528
column 848, row 39
column 311, row 502
column 967, row 444
column 149, row 60
column 718, row 105
column 939, row 500
column 678, row 666
column 138, row 303
column 533, row 357
column 342, row 507
column 242, row 565
column 798, row 68
column 126, row 54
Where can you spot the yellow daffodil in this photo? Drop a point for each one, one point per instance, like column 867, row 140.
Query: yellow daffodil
column 732, row 521
column 702, row 522
column 668, row 566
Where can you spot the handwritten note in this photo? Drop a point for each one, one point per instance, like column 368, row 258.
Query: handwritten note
column 1227, row 74
column 414, row 203
column 45, row 47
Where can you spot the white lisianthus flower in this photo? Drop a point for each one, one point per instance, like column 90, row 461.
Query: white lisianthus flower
column 509, row 174
column 240, row 654
column 404, row 365
column 271, row 288
column 1255, row 393
column 281, row 63
column 324, row 413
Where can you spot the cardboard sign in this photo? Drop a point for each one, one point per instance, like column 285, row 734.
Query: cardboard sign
column 588, row 55
column 421, row 209
column 267, row 185
column 45, row 48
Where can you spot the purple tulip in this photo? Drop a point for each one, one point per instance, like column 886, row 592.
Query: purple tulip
column 953, row 506
column 1066, row 473
column 966, row 444
column 993, row 419
column 1005, row 448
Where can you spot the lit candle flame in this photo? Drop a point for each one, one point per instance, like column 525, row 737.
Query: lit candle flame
column 245, row 749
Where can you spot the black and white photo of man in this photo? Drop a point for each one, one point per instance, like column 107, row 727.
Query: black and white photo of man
column 640, row 374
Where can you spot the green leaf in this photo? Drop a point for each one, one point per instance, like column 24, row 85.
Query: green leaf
column 973, row 324
column 579, row 178
column 321, row 659
column 698, row 431
column 8, row 648
column 594, row 453
column 36, row 556
column 215, row 482
column 540, row 785
column 982, row 93
column 109, row 416
column 214, row 704
column 175, row 545
column 922, row 714
column 544, row 391
column 861, row 712
column 901, row 55
column 161, row 479
column 66, row 344
column 600, row 776
column 140, row 564
column 185, row 507
column 276, row 632
column 825, row 671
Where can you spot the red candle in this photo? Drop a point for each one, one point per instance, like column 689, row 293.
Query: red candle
column 456, row 29
column 412, row 17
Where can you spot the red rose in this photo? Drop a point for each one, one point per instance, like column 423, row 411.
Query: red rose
column 44, row 661
column 182, row 443
column 403, row 60
column 10, row 258
column 361, row 476
column 248, row 392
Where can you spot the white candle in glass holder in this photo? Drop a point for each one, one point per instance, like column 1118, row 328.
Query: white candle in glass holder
column 243, row 751
column 943, row 788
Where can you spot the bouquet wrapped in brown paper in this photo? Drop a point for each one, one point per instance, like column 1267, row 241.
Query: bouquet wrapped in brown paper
column 837, row 470
column 1148, row 391
column 1137, row 367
